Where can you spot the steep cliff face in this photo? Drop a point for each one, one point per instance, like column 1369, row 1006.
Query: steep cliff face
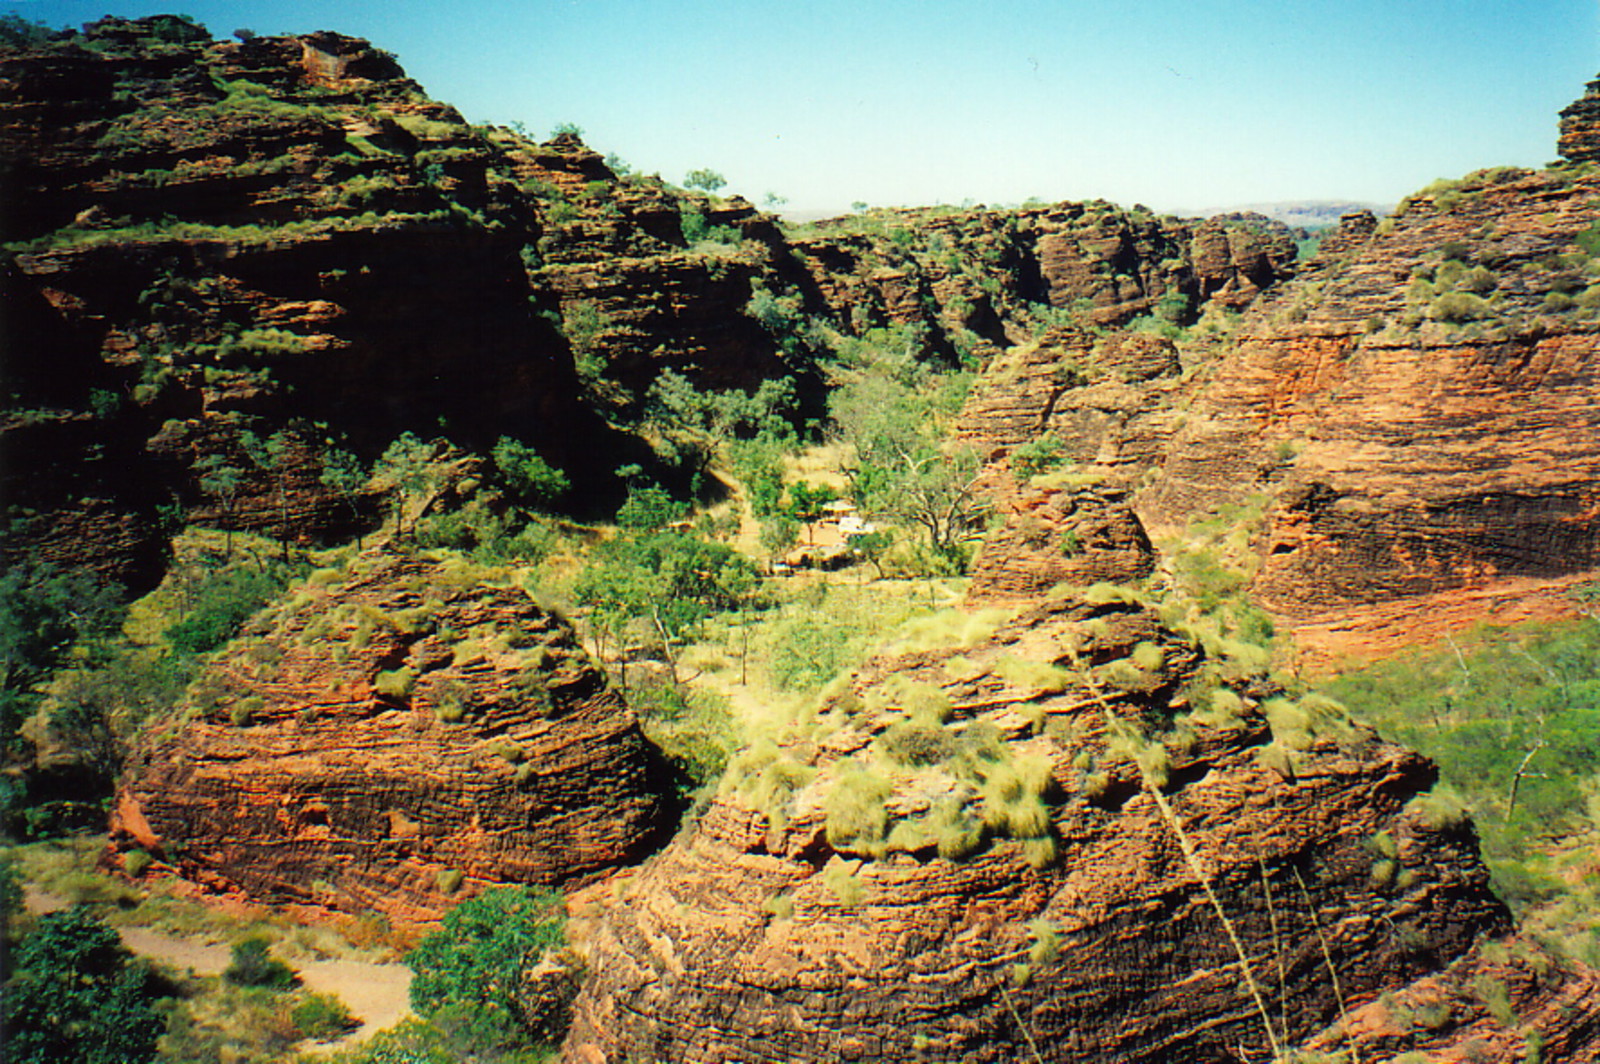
column 978, row 280
column 391, row 738
column 282, row 235
column 1019, row 844
column 1421, row 406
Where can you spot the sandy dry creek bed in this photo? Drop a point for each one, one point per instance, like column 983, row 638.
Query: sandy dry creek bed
column 376, row 994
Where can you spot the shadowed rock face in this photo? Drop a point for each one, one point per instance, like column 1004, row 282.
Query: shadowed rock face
column 393, row 738
column 811, row 916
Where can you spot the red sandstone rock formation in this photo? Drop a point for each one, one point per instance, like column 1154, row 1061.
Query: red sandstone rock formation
column 1053, row 537
column 1012, row 882
column 1420, row 404
column 279, row 234
column 391, row 738
column 1509, row 1000
column 1580, row 126
column 979, row 277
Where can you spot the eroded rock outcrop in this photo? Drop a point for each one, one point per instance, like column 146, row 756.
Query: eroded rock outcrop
column 1105, row 401
column 1016, row 846
column 275, row 236
column 1580, row 126
column 1063, row 535
column 1420, row 406
column 974, row 281
column 394, row 735
column 1512, row 1000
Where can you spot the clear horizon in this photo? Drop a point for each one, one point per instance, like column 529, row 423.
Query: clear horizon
column 1179, row 106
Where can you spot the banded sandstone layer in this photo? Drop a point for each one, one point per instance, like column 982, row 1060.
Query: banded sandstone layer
column 1420, row 407
column 1017, row 845
column 390, row 739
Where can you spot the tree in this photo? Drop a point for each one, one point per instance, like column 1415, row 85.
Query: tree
column 77, row 995
column 529, row 475
column 668, row 579
column 469, row 975
column 807, row 503
column 411, row 468
column 902, row 467
column 345, row 474
column 707, row 180
column 18, row 32
column 274, row 456
column 222, row 479
column 44, row 613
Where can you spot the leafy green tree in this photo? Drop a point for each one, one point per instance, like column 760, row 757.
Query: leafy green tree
column 222, row 600
column 274, row 456
column 222, row 479
column 77, row 995
column 469, row 974
column 44, row 613
column 668, row 579
column 707, row 180
column 95, row 710
column 17, row 32
column 528, row 474
column 649, row 508
column 345, row 474
column 903, row 469
column 711, row 420
column 808, row 502
column 411, row 469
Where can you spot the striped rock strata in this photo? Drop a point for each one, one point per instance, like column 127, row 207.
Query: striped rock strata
column 395, row 737
column 1016, row 846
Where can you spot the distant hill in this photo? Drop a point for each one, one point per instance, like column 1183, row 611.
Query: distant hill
column 1302, row 213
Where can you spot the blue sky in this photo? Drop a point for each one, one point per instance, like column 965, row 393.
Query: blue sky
column 1204, row 103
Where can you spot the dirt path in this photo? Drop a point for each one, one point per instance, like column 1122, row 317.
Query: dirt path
column 376, row 994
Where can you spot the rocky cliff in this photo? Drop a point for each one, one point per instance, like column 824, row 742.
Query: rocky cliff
column 1074, row 836
column 974, row 281
column 1419, row 407
column 1580, row 126
column 393, row 737
column 284, row 236
column 280, row 236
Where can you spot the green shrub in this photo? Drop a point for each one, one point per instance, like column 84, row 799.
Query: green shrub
column 222, row 600
column 76, row 995
column 858, row 821
column 251, row 965
column 1459, row 307
column 321, row 1016
column 395, row 683
column 1039, row 455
